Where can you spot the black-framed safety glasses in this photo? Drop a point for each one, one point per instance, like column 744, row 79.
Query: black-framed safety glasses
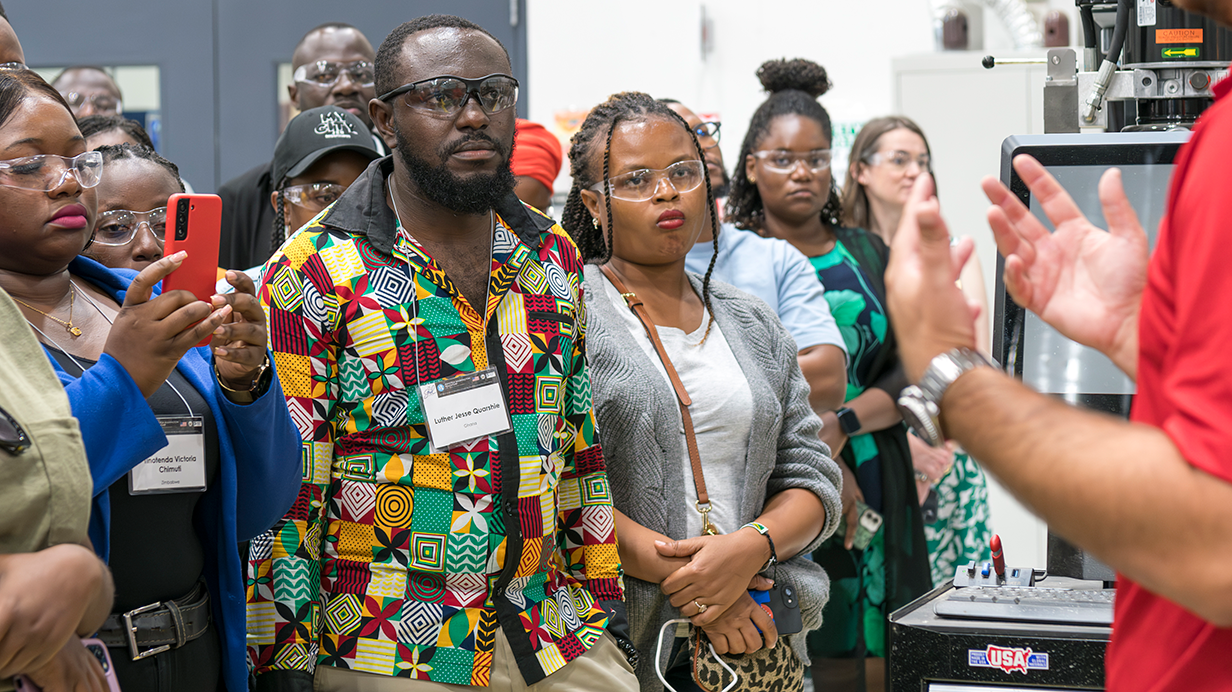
column 446, row 95
column 708, row 133
column 13, row 438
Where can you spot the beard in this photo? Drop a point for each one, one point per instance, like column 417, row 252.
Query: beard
column 475, row 194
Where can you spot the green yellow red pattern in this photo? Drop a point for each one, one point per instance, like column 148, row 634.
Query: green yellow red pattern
column 389, row 562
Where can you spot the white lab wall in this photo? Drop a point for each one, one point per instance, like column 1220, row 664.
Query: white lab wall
column 581, row 51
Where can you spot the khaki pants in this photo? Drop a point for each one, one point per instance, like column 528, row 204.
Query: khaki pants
column 603, row 667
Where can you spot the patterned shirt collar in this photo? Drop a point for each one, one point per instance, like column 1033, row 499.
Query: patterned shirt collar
column 362, row 210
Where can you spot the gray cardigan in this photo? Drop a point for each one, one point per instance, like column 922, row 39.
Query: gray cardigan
column 638, row 423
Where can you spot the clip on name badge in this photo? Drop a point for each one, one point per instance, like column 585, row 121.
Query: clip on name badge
column 177, row 468
column 464, row 408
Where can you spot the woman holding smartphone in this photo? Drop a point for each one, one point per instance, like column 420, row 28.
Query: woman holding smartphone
column 637, row 206
column 156, row 414
column 783, row 188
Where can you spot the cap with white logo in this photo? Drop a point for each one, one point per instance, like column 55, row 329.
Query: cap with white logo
column 315, row 133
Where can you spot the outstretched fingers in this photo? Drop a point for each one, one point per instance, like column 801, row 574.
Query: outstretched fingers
column 1118, row 212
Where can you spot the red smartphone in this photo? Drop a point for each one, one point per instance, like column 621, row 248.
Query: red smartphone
column 197, row 220
column 22, row 684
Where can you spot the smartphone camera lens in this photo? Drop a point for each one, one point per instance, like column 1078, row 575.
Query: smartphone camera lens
column 181, row 219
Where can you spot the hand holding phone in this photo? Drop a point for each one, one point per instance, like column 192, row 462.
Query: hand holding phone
column 196, row 228
column 73, row 669
column 867, row 526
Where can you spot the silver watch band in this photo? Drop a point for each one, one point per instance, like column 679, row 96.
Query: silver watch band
column 947, row 367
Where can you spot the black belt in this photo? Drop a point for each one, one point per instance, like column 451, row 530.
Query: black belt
column 159, row 626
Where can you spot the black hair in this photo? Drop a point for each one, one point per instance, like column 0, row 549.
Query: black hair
column 601, row 122
column 3, row 15
column 668, row 101
column 278, row 234
column 119, row 152
column 92, row 68
column 386, row 63
column 95, row 124
column 16, row 85
column 794, row 86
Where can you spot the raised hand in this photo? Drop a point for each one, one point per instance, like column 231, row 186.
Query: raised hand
column 1085, row 282
column 151, row 335
column 239, row 344
column 929, row 312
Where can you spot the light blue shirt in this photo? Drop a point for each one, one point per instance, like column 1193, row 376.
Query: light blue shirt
column 779, row 274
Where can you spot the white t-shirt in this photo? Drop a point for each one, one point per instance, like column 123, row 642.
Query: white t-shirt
column 722, row 412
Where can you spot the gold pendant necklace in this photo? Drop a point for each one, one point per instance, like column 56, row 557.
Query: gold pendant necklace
column 68, row 326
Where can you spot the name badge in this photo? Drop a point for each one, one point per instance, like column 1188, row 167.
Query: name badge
column 177, row 468
column 464, row 408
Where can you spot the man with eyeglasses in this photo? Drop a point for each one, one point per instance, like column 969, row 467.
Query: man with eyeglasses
column 455, row 524
column 332, row 66
column 89, row 90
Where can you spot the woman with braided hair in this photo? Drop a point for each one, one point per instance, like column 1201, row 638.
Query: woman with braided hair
column 783, row 188
column 132, row 206
column 638, row 203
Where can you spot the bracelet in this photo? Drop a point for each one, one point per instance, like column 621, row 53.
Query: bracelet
column 244, row 396
column 774, row 556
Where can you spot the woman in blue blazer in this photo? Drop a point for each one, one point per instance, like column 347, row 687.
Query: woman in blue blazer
column 191, row 449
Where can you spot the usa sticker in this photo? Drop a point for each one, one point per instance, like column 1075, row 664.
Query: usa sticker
column 1009, row 660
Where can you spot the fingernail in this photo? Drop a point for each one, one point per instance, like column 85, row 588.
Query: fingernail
column 232, row 276
column 179, row 255
column 659, row 543
column 218, row 301
column 219, row 331
column 220, row 352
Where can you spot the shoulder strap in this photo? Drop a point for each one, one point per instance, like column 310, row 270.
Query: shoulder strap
column 682, row 396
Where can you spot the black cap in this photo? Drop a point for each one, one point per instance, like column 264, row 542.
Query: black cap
column 315, row 133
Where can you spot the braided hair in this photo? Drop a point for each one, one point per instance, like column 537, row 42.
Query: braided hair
column 95, row 124
column 601, row 122
column 278, row 234
column 794, row 87
column 117, row 152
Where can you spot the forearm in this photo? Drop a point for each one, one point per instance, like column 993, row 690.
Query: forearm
column 1118, row 489
column 637, row 551
column 793, row 517
column 825, row 368
column 876, row 410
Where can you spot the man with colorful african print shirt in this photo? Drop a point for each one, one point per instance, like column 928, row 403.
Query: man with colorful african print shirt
column 417, row 558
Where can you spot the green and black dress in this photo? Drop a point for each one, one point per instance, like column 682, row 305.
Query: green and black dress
column 865, row 586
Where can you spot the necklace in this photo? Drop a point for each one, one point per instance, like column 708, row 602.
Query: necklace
column 68, row 326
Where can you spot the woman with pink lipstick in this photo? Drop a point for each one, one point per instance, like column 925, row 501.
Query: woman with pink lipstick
column 712, row 451
column 156, row 414
column 783, row 188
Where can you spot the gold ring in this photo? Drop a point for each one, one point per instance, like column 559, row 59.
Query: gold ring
column 700, row 608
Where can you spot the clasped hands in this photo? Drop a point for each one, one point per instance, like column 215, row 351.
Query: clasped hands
column 719, row 573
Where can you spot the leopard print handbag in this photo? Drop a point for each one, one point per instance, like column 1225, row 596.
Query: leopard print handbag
column 766, row 670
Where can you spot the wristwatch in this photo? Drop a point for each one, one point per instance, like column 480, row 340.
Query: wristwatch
column 921, row 404
column 848, row 421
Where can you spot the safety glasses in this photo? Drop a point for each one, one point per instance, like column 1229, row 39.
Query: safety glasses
column 313, row 197
column 708, row 134
column 120, row 226
column 783, row 161
column 445, row 96
column 13, row 438
column 102, row 101
column 900, row 160
column 642, row 184
column 46, row 172
column 326, row 73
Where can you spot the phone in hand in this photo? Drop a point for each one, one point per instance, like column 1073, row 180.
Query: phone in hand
column 196, row 223
column 866, row 528
column 784, row 606
column 23, row 684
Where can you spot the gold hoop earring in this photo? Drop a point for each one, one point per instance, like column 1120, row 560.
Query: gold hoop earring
column 752, row 179
column 594, row 222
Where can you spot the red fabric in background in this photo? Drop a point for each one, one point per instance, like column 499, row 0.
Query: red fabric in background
column 1185, row 388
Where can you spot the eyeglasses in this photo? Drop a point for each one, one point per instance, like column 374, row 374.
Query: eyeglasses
column 325, row 73
column 46, row 172
column 119, row 226
column 782, row 161
column 642, row 184
column 13, row 66
column 313, row 197
column 708, row 130
column 901, row 160
column 102, row 101
column 13, row 438
column 447, row 95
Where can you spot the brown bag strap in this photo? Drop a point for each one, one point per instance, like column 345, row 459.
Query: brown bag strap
column 682, row 396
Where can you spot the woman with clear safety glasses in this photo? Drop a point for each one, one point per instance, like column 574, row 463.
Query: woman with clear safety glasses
column 886, row 158
column 783, row 188
column 132, row 207
column 712, row 452
column 190, row 450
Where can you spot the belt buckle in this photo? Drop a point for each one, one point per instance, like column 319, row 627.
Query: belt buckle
column 130, row 633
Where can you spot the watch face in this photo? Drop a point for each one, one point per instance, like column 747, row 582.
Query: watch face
column 920, row 415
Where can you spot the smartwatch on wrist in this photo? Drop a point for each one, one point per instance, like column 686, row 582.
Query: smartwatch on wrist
column 921, row 404
column 848, row 421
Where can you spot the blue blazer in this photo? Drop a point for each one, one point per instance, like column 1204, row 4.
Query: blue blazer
column 259, row 470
